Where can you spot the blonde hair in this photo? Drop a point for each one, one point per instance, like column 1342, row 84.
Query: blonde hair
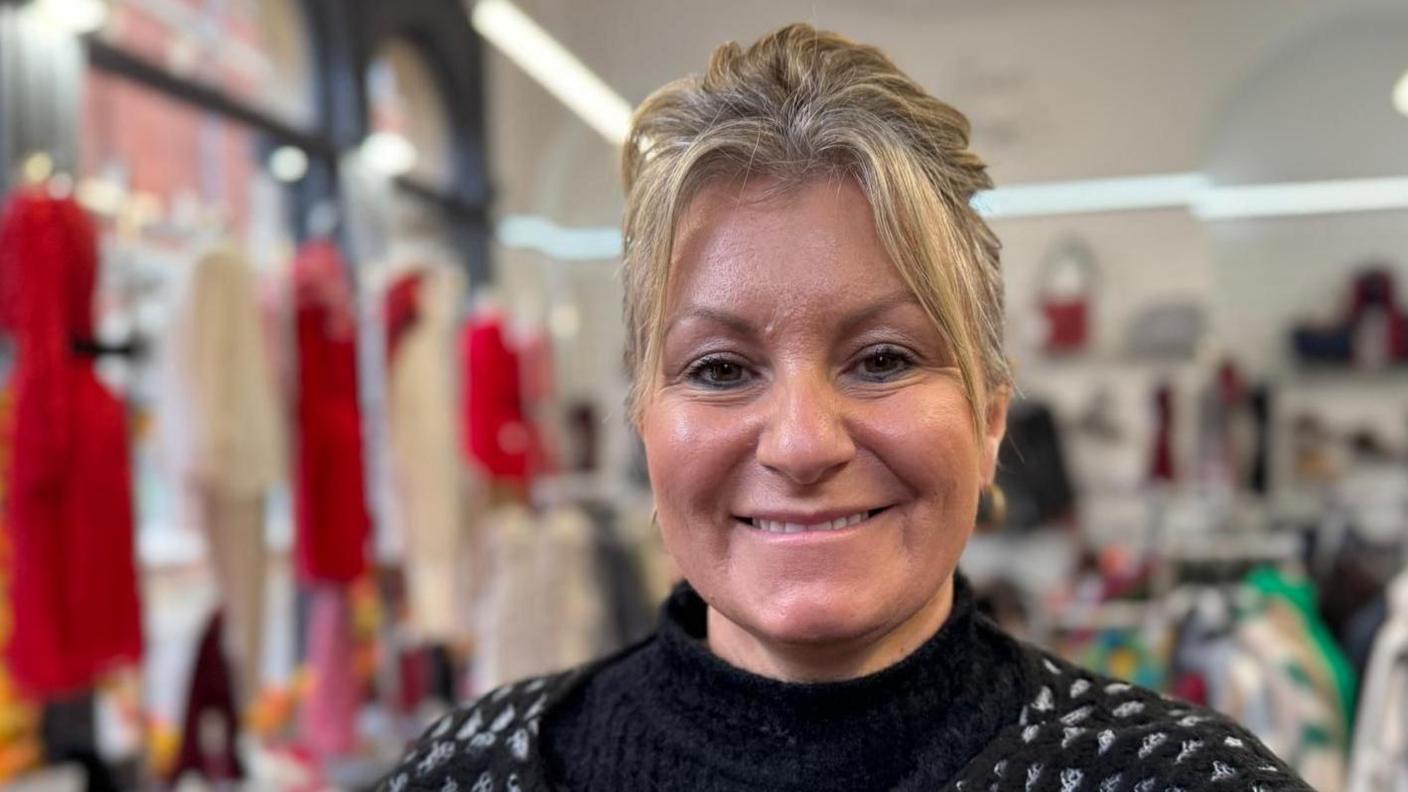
column 802, row 104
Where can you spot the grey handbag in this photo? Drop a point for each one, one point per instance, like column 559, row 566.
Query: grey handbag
column 1167, row 331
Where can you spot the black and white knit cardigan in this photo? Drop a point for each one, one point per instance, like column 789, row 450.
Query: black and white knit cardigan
column 972, row 710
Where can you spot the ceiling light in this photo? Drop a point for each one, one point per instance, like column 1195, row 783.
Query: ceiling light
column 389, row 153
column 78, row 17
column 1400, row 94
column 1161, row 191
column 1303, row 198
column 533, row 232
column 288, row 164
column 535, row 51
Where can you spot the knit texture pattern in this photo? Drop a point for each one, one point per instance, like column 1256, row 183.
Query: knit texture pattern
column 972, row 710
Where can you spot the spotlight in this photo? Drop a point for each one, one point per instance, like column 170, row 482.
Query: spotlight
column 288, row 164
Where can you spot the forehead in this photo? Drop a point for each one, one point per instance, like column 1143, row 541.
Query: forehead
column 740, row 243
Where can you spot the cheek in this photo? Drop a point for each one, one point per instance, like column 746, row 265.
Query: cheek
column 932, row 452
column 694, row 454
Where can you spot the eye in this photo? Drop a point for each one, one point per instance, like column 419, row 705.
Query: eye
column 717, row 372
column 883, row 363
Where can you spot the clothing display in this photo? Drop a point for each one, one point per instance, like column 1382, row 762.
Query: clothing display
column 68, row 508
column 330, row 493
column 222, row 434
column 497, row 435
column 1031, row 468
column 542, row 610
column 1379, row 762
column 211, row 728
column 424, row 426
column 970, row 709
column 329, row 718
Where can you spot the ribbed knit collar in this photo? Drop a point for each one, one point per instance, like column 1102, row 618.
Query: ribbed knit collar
column 937, row 707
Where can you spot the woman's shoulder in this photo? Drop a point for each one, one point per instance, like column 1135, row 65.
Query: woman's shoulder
column 1092, row 732
column 489, row 745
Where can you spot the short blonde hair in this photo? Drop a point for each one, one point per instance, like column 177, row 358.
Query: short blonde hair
column 802, row 104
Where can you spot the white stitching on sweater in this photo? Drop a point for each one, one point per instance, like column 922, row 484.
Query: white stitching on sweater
column 518, row 745
column 437, row 756
column 1222, row 772
column 1190, row 747
column 471, row 726
column 1151, row 743
column 1044, row 700
column 1107, row 738
column 505, row 718
column 1129, row 708
column 1079, row 687
column 1070, row 779
column 442, row 726
column 1076, row 716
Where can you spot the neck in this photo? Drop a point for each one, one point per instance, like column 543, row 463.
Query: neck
column 830, row 661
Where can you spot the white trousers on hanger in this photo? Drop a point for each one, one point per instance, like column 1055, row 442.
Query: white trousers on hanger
column 234, row 530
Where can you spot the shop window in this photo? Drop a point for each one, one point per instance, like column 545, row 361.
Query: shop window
column 165, row 180
column 257, row 51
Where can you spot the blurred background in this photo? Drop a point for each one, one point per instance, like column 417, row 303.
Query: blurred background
column 312, row 381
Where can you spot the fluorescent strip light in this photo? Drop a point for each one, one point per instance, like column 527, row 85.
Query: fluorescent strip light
column 1170, row 191
column 79, row 17
column 540, row 55
column 531, row 232
column 1304, row 198
column 1190, row 192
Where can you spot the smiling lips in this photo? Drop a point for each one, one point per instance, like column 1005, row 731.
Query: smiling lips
column 783, row 527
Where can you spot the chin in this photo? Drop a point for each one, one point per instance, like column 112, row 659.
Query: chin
column 811, row 617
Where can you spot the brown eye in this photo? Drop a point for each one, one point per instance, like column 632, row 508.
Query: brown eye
column 718, row 373
column 884, row 363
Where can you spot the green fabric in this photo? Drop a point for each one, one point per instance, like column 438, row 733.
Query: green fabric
column 1300, row 594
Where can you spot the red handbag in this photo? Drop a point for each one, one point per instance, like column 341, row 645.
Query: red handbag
column 1067, row 288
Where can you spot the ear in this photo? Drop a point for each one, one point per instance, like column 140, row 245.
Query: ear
column 998, row 401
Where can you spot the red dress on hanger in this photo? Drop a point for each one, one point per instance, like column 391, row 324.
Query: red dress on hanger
column 496, row 434
column 333, row 524
column 68, row 510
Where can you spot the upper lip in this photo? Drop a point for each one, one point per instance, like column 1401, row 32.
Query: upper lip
column 806, row 517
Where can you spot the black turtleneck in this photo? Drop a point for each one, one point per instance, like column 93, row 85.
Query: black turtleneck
column 671, row 715
column 971, row 709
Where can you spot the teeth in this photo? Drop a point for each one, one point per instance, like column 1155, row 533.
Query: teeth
column 772, row 526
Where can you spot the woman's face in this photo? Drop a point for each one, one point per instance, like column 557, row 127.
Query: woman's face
column 812, row 453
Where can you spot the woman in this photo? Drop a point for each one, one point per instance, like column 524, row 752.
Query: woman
column 815, row 316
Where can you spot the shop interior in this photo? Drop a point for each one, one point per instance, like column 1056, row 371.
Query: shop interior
column 312, row 388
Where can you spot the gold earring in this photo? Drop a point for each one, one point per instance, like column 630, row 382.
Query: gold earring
column 992, row 509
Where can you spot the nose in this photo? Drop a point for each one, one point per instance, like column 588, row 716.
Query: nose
column 805, row 437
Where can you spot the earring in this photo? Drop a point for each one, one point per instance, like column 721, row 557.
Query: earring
column 992, row 509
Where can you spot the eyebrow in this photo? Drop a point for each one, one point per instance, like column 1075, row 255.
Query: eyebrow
column 742, row 326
